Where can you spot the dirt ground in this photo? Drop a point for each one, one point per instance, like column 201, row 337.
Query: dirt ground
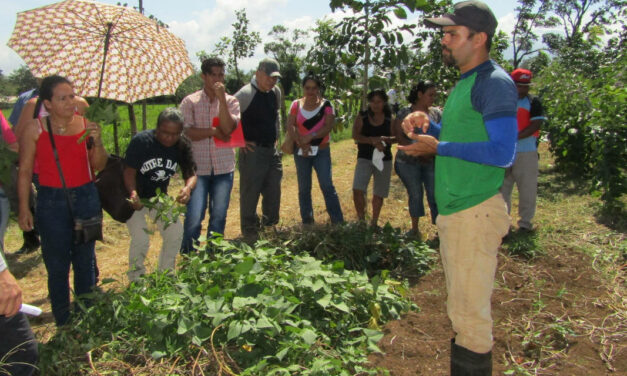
column 526, row 303
column 560, row 313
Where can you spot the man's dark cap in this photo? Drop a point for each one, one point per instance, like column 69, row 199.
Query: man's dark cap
column 475, row 15
column 270, row 67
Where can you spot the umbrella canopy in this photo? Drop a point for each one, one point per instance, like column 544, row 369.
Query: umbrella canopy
column 107, row 51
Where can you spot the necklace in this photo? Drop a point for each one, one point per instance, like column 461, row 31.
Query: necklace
column 62, row 128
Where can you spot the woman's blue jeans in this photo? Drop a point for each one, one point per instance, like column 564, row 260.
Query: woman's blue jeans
column 56, row 227
column 414, row 176
column 213, row 191
column 321, row 162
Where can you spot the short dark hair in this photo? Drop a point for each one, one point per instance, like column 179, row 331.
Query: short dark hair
column 420, row 87
column 210, row 62
column 172, row 114
column 488, row 41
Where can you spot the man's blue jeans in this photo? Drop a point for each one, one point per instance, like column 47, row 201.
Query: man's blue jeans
column 56, row 227
column 214, row 190
column 321, row 162
column 414, row 176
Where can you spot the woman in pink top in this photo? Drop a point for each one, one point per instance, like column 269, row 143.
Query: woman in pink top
column 310, row 121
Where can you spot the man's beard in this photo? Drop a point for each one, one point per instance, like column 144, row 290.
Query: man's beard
column 448, row 59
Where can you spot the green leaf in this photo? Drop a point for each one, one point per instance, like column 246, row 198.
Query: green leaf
column 239, row 302
column 263, row 323
column 341, row 306
column 158, row 354
column 373, row 335
column 220, row 317
column 235, row 329
column 309, row 336
column 185, row 325
column 324, row 301
column 281, row 354
column 317, row 285
column 245, row 266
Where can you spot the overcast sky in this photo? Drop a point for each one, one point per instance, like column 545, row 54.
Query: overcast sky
column 201, row 23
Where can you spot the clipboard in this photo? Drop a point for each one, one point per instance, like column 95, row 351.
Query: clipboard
column 237, row 137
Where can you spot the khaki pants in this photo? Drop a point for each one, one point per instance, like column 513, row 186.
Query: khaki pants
column 140, row 242
column 524, row 172
column 469, row 241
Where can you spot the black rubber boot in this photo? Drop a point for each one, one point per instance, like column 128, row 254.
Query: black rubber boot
column 468, row 363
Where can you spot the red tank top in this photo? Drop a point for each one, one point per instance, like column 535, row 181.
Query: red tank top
column 72, row 156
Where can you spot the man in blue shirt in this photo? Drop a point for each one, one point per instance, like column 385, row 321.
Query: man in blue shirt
column 31, row 238
column 19, row 105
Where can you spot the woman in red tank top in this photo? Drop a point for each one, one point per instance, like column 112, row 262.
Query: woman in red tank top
column 78, row 163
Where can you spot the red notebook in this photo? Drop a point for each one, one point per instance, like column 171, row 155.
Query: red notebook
column 237, row 137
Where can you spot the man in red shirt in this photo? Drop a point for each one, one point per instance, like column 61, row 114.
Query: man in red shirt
column 524, row 171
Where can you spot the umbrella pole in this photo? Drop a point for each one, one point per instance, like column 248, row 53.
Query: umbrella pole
column 104, row 58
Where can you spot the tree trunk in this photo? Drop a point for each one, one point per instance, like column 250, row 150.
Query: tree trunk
column 116, row 143
column 131, row 119
column 283, row 113
column 144, row 115
column 364, row 94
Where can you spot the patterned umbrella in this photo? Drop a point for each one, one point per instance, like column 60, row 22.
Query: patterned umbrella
column 107, row 51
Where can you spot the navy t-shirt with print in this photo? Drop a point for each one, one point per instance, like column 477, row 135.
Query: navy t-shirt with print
column 155, row 163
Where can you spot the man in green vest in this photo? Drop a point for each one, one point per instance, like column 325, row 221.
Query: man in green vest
column 477, row 143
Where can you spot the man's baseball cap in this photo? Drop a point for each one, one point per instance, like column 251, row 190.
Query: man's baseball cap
column 522, row 76
column 472, row 14
column 270, row 67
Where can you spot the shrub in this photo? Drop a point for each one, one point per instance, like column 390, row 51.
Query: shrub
column 363, row 248
column 258, row 311
column 586, row 109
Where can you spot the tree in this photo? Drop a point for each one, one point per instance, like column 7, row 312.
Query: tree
column 537, row 63
column 6, row 88
column 531, row 15
column 584, row 92
column 367, row 38
column 287, row 51
column 191, row 84
column 241, row 44
column 426, row 62
column 337, row 71
column 22, row 79
column 579, row 18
